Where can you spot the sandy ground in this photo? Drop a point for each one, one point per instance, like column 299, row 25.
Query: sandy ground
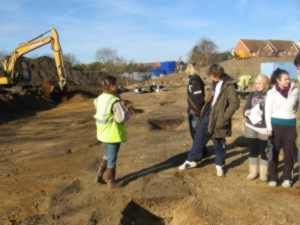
column 48, row 163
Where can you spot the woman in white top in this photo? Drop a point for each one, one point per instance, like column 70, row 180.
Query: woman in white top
column 280, row 114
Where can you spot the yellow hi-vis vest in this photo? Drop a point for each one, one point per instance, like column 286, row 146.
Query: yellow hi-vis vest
column 108, row 130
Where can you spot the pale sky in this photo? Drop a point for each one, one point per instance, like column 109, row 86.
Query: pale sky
column 146, row 31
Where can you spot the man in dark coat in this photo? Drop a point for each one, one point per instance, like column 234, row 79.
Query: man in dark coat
column 215, row 121
column 195, row 101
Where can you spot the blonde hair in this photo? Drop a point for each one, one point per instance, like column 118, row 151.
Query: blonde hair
column 265, row 79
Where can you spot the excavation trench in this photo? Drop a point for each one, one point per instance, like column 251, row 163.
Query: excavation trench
column 165, row 123
column 136, row 214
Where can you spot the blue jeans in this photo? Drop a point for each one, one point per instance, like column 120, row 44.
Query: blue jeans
column 111, row 154
column 200, row 141
column 193, row 122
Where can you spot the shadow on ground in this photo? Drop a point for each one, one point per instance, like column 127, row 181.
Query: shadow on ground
column 176, row 160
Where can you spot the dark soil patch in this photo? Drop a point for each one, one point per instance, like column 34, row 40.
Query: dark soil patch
column 59, row 201
column 165, row 123
column 138, row 215
column 164, row 103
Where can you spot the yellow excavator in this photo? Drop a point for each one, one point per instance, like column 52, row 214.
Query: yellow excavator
column 9, row 77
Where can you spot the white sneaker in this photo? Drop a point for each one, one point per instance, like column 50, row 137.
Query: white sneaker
column 272, row 183
column 286, row 184
column 187, row 165
column 220, row 171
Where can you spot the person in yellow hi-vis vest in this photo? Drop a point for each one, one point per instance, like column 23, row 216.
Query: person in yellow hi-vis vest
column 110, row 116
column 244, row 82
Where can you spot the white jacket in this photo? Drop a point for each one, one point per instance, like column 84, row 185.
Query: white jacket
column 279, row 107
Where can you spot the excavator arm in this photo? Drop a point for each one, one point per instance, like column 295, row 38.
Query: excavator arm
column 10, row 63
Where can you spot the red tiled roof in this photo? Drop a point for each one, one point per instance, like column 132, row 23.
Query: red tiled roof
column 278, row 45
column 254, row 45
column 282, row 45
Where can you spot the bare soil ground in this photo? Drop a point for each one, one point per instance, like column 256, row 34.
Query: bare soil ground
column 48, row 162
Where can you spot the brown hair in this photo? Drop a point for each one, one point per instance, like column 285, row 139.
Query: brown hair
column 277, row 75
column 297, row 60
column 107, row 82
column 216, row 70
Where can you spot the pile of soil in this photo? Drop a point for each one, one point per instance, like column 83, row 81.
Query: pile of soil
column 43, row 74
column 43, row 69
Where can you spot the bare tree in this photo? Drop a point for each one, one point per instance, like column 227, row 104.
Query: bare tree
column 3, row 54
column 71, row 58
column 108, row 56
column 203, row 51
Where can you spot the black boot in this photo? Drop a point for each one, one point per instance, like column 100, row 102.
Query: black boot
column 100, row 172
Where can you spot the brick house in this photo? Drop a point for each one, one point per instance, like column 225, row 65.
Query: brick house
column 284, row 48
column 246, row 48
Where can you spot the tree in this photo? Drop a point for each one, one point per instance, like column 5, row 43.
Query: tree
column 3, row 54
column 203, row 51
column 221, row 56
column 71, row 58
column 108, row 56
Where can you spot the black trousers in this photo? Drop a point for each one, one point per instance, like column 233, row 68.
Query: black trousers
column 257, row 148
column 283, row 137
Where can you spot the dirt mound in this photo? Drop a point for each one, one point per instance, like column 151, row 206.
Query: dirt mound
column 13, row 106
column 43, row 69
column 79, row 97
column 39, row 94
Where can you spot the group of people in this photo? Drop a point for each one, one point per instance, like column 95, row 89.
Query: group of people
column 270, row 122
column 269, row 115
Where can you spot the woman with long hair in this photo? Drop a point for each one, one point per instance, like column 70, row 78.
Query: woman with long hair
column 280, row 113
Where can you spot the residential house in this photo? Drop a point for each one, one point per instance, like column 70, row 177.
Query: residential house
column 284, row 48
column 246, row 48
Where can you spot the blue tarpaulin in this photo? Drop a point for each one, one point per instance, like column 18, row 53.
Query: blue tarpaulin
column 168, row 67
column 156, row 72
column 269, row 67
column 165, row 68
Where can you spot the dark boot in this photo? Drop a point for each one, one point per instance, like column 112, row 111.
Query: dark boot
column 111, row 178
column 100, row 172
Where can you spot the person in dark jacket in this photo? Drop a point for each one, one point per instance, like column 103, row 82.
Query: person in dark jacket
column 256, row 129
column 215, row 121
column 297, row 64
column 195, row 101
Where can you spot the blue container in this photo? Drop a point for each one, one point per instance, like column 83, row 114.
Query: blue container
column 168, row 67
column 164, row 69
column 269, row 67
column 156, row 72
